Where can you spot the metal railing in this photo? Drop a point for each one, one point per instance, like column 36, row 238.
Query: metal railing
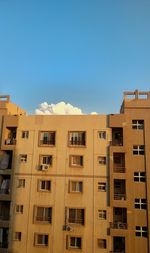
column 76, row 221
column 44, row 219
column 77, row 142
column 118, row 225
column 119, row 169
column 119, row 196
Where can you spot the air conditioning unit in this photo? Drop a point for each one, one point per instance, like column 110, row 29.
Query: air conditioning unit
column 67, row 228
column 23, row 159
column 44, row 167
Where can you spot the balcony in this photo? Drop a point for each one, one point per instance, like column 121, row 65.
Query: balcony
column 119, row 189
column 119, row 169
column 118, row 244
column 5, row 162
column 119, row 218
column 119, row 196
column 119, row 162
column 118, row 225
column 10, row 135
column 117, row 136
column 3, row 240
column 4, row 187
column 4, row 213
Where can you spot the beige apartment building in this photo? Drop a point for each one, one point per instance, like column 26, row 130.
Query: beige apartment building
column 75, row 183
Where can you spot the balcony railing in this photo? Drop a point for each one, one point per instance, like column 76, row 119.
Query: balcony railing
column 47, row 142
column 77, row 142
column 4, row 191
column 44, row 219
column 118, row 225
column 4, row 217
column 119, row 169
column 10, row 141
column 3, row 245
column 76, row 221
column 119, row 196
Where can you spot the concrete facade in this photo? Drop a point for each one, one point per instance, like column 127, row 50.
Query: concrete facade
column 75, row 183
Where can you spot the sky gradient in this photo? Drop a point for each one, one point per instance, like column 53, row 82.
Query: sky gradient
column 85, row 52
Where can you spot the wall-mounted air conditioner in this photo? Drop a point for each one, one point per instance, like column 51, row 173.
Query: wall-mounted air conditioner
column 44, row 167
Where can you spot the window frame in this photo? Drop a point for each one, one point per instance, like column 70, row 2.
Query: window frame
column 102, row 243
column 19, row 209
column 137, row 124
column 77, row 145
column 46, row 182
column 76, row 165
column 140, row 203
column 17, row 236
column 102, row 134
column 139, row 177
column 102, row 160
column 25, row 134
column 36, row 239
column 76, row 238
column 141, row 231
column 47, row 139
column 78, row 212
column 78, row 186
column 23, row 158
column 21, row 183
column 138, row 149
column 45, row 156
column 45, row 219
column 102, row 214
column 102, row 185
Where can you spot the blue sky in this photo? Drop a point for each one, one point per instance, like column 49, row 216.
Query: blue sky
column 85, row 52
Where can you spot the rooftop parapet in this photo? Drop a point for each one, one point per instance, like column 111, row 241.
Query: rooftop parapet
column 4, row 98
column 135, row 99
column 7, row 107
column 136, row 95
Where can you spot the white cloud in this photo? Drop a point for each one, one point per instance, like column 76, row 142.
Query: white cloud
column 60, row 108
column 94, row 113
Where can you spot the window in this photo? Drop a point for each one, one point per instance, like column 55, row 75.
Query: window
column 47, row 138
column 44, row 185
column 43, row 214
column 102, row 214
column 21, row 183
column 23, row 158
column 76, row 161
column 45, row 160
column 137, row 124
column 25, row 134
column 141, row 231
column 76, row 186
column 102, row 134
column 41, row 239
column 101, row 243
column 77, row 138
column 19, row 208
column 17, row 236
column 101, row 187
column 138, row 150
column 76, row 216
column 139, row 177
column 75, row 242
column 102, row 160
column 140, row 203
